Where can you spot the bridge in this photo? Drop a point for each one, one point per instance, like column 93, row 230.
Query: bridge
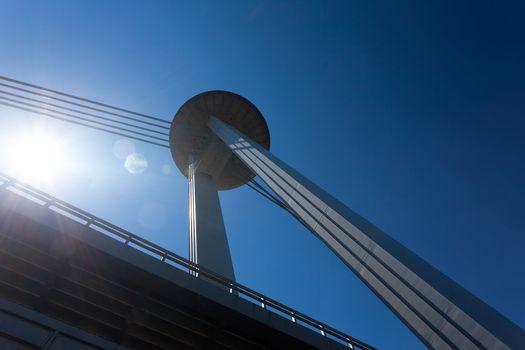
column 219, row 140
column 62, row 266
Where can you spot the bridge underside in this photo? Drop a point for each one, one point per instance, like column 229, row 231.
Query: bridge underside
column 56, row 269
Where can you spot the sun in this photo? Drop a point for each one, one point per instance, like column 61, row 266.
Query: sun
column 37, row 157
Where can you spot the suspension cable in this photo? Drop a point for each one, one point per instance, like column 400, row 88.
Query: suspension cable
column 82, row 105
column 80, row 118
column 254, row 185
column 266, row 193
column 82, row 112
column 82, row 99
column 83, row 124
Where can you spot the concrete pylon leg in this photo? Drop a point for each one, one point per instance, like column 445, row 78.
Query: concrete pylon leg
column 208, row 241
column 440, row 312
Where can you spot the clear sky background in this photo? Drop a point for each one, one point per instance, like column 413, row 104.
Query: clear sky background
column 411, row 113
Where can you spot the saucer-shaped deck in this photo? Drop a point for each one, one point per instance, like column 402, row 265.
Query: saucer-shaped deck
column 189, row 131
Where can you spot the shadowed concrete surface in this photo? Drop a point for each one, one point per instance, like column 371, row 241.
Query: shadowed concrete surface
column 62, row 282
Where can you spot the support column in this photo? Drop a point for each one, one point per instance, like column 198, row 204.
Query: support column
column 440, row 312
column 208, row 241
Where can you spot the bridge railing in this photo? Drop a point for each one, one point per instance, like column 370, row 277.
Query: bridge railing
column 175, row 260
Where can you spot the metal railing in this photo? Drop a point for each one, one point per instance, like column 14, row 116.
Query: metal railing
column 11, row 184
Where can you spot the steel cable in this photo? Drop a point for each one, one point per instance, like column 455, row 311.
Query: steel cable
column 83, row 124
column 82, row 99
column 83, row 113
column 83, row 106
column 263, row 191
column 81, row 118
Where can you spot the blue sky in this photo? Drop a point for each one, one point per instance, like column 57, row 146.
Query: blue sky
column 410, row 113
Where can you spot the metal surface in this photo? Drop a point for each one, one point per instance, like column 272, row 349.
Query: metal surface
column 22, row 328
column 85, row 112
column 190, row 136
column 208, row 241
column 173, row 260
column 439, row 311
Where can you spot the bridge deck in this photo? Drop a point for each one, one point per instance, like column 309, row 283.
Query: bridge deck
column 63, row 267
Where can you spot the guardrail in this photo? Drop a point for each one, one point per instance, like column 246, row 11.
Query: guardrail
column 174, row 260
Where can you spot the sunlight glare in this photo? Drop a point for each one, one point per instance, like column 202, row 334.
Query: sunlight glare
column 38, row 157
